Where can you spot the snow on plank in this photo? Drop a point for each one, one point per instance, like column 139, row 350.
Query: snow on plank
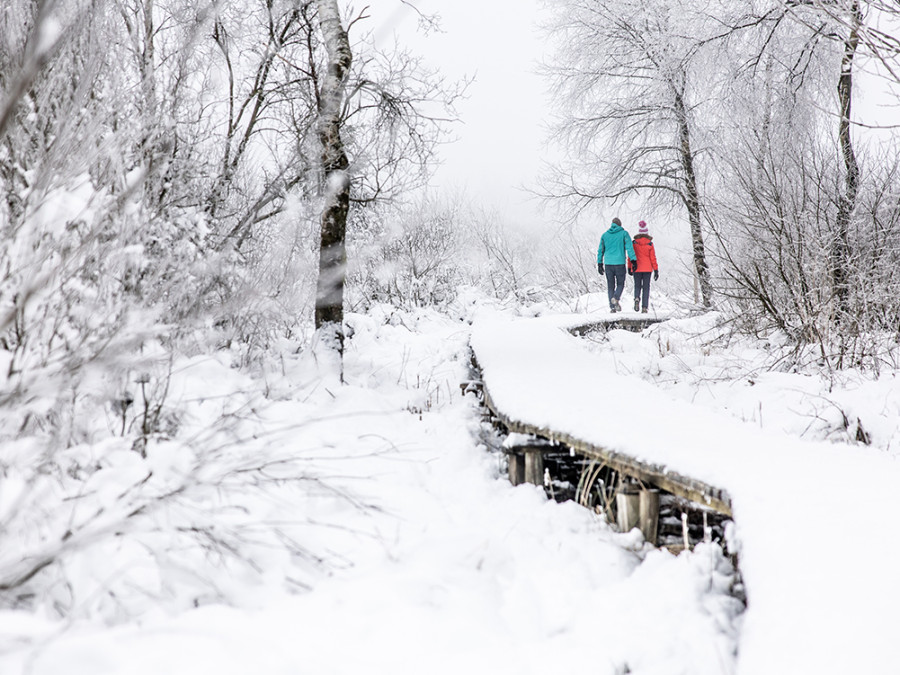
column 684, row 486
column 815, row 523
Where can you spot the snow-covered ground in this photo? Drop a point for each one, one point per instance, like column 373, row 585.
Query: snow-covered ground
column 409, row 551
column 791, row 497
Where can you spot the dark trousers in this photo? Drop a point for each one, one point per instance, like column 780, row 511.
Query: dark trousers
column 642, row 288
column 615, row 282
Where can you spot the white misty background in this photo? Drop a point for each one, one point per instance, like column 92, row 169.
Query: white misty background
column 162, row 187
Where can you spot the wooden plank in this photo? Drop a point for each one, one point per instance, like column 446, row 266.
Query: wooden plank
column 522, row 443
column 649, row 515
column 534, row 467
column 633, row 324
column 516, row 469
column 628, row 514
column 714, row 498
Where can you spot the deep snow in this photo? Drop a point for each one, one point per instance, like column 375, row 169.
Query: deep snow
column 412, row 553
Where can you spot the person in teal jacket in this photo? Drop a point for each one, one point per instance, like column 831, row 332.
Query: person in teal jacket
column 615, row 251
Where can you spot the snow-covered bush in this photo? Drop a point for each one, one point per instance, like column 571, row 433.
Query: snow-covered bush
column 108, row 266
column 777, row 256
column 409, row 256
column 570, row 261
column 98, row 530
column 421, row 254
column 504, row 261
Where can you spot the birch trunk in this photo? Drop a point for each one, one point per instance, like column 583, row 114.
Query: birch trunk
column 332, row 248
column 691, row 198
column 840, row 251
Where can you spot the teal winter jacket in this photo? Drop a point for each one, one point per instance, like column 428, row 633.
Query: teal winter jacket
column 615, row 244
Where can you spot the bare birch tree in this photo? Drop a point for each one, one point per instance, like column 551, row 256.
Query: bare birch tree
column 336, row 181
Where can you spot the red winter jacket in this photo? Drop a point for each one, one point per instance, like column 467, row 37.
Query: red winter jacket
column 646, row 254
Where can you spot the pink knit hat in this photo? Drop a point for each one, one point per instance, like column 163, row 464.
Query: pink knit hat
column 642, row 228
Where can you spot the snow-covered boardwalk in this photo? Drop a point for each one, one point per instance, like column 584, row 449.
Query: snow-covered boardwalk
column 815, row 522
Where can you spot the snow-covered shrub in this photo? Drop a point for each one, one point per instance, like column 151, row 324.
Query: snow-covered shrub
column 108, row 264
column 503, row 259
column 421, row 254
column 409, row 257
column 570, row 263
column 200, row 515
column 776, row 249
column 271, row 294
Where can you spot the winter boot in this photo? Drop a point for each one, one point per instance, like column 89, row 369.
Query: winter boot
column 637, row 304
column 643, row 310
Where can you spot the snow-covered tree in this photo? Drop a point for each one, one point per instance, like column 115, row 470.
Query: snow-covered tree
column 332, row 246
column 793, row 211
column 161, row 179
column 630, row 85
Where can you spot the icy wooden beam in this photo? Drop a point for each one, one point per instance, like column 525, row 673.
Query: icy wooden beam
column 634, row 324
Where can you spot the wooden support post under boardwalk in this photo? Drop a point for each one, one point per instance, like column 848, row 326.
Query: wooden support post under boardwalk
column 516, row 469
column 534, row 466
column 627, row 508
column 526, row 459
column 638, row 508
column 649, row 515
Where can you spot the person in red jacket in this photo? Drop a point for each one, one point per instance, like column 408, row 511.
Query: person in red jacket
column 643, row 267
